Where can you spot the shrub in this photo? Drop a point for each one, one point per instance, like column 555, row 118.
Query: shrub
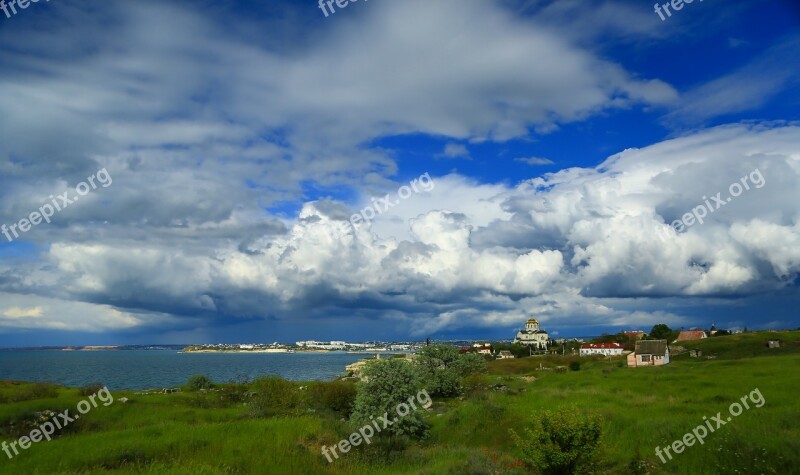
column 338, row 396
column 575, row 366
column 232, row 394
column 198, row 382
column 560, row 442
column 442, row 368
column 36, row 391
column 274, row 396
column 475, row 384
column 90, row 389
column 389, row 383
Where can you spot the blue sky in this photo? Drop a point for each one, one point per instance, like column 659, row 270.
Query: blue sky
column 560, row 138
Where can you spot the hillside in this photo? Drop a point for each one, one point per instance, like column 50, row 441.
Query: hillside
column 745, row 345
column 641, row 409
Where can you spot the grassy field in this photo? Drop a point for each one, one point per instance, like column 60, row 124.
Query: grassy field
column 195, row 433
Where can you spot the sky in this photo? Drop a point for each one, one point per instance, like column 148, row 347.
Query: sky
column 199, row 165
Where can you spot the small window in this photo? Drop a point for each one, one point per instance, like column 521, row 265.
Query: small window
column 645, row 357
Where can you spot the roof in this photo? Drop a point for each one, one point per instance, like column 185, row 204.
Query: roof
column 532, row 320
column 691, row 335
column 505, row 352
column 651, row 347
column 608, row 346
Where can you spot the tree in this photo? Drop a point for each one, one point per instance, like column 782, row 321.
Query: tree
column 560, row 442
column 628, row 342
column 389, row 383
column 517, row 349
column 660, row 332
column 442, row 368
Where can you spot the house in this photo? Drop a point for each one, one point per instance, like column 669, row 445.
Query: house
column 649, row 353
column 605, row 349
column 532, row 335
column 504, row 355
column 687, row 335
column 484, row 349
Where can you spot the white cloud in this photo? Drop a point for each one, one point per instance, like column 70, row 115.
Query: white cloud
column 17, row 312
column 35, row 312
column 572, row 246
column 455, row 150
column 747, row 88
column 535, row 161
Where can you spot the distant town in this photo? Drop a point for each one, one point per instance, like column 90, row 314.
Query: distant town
column 530, row 340
column 305, row 346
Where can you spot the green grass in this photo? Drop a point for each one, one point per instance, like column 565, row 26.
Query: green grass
column 192, row 433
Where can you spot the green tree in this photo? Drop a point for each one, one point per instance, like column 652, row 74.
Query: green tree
column 560, row 442
column 389, row 383
column 517, row 349
column 442, row 368
column 660, row 332
column 628, row 342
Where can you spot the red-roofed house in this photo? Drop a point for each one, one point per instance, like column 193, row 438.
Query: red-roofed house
column 483, row 349
column 687, row 335
column 605, row 349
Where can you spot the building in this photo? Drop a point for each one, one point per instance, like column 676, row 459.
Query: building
column 605, row 349
column 688, row 335
column 504, row 355
column 532, row 335
column 649, row 353
column 483, row 349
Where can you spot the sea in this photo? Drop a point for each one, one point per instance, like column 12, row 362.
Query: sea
column 149, row 369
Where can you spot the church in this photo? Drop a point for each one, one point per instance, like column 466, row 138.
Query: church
column 532, row 335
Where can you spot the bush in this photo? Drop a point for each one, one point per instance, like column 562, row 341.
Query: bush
column 442, row 368
column 338, row 396
column 198, row 382
column 389, row 383
column 35, row 391
column 274, row 396
column 575, row 366
column 90, row 389
column 560, row 442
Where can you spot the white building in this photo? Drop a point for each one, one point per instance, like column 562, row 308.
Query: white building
column 483, row 349
column 505, row 355
column 532, row 335
column 605, row 349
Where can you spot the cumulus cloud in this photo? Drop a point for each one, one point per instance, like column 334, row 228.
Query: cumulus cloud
column 69, row 315
column 573, row 246
column 215, row 139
